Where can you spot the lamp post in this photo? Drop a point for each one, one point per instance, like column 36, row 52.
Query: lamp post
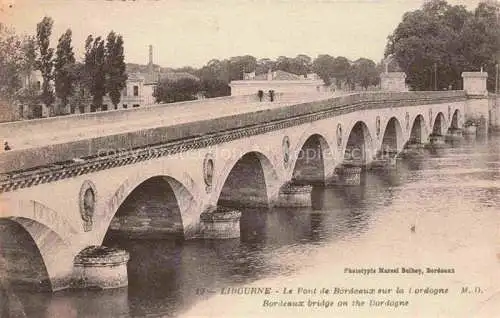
column 435, row 77
column 496, row 79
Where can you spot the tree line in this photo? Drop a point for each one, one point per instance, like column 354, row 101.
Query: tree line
column 216, row 75
column 436, row 43
column 65, row 81
column 432, row 45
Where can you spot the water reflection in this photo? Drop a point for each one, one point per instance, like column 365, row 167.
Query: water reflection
column 165, row 274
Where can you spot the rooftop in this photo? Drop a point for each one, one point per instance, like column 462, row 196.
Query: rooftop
column 279, row 75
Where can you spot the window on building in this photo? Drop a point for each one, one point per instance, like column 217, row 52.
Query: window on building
column 136, row 90
column 135, row 105
column 38, row 85
column 125, row 106
column 124, row 91
column 105, row 107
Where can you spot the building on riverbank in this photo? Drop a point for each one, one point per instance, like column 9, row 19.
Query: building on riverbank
column 277, row 81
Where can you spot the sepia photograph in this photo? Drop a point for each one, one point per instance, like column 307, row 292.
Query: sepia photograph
column 250, row 158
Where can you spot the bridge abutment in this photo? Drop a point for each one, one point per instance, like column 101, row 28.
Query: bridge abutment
column 477, row 108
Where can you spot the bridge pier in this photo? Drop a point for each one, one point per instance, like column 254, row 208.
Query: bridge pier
column 220, row 223
column 413, row 149
column 454, row 135
column 294, row 195
column 384, row 160
column 100, row 267
column 436, row 141
column 349, row 174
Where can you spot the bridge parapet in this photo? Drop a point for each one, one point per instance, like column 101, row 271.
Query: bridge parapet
column 53, row 162
column 72, row 122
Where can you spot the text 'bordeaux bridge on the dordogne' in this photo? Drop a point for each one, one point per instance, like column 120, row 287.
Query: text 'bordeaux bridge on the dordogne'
column 70, row 180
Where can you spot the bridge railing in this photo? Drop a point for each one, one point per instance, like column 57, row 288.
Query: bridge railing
column 100, row 118
column 76, row 121
column 19, row 159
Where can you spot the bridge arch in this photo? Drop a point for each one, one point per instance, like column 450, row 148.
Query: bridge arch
column 439, row 124
column 157, row 206
column 358, row 147
column 251, row 180
column 392, row 140
column 418, row 132
column 455, row 119
column 34, row 256
column 312, row 160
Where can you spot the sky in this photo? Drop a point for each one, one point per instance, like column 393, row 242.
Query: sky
column 191, row 32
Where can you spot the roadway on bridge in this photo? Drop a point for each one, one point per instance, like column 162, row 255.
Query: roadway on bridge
column 178, row 113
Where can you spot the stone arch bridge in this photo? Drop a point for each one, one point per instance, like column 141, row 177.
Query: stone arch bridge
column 67, row 196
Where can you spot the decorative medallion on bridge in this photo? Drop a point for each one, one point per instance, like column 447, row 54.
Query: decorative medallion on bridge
column 430, row 116
column 449, row 112
column 208, row 172
column 407, row 120
column 286, row 151
column 87, row 201
column 377, row 126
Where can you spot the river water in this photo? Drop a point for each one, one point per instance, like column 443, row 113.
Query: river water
column 451, row 199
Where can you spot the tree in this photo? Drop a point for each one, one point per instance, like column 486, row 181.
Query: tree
column 323, row 65
column 81, row 96
column 300, row 65
column 444, row 40
column 241, row 64
column 95, row 75
column 483, row 32
column 341, row 70
column 64, row 64
column 186, row 69
column 215, row 88
column 215, row 77
column 11, row 62
column 305, row 62
column 115, row 67
column 29, row 48
column 17, row 60
column 45, row 63
column 170, row 91
column 215, row 69
column 29, row 96
column 365, row 73
column 264, row 65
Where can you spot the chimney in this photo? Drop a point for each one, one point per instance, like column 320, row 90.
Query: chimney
column 150, row 54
